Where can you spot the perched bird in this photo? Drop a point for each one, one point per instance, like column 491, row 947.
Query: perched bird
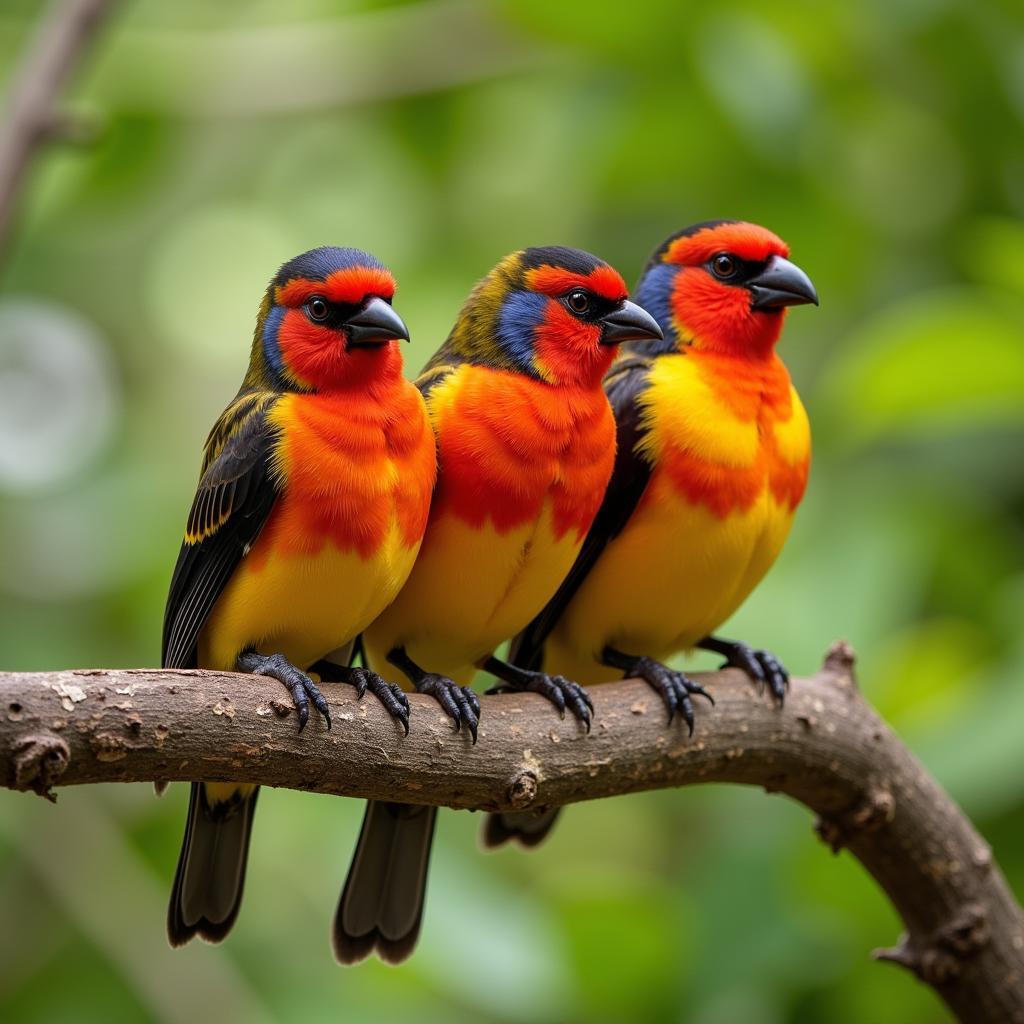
column 526, row 443
column 310, row 511
column 712, row 461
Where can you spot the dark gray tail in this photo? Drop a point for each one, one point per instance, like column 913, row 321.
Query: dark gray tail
column 381, row 906
column 211, row 867
column 526, row 827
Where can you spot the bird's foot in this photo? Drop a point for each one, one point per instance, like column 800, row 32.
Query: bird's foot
column 560, row 691
column 460, row 703
column 674, row 687
column 395, row 702
column 762, row 666
column 301, row 687
column 391, row 695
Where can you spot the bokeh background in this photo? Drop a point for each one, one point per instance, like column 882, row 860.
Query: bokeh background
column 883, row 140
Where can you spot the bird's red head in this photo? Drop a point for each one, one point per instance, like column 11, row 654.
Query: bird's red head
column 553, row 313
column 327, row 323
column 723, row 286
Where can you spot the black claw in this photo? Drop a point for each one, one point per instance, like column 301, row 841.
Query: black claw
column 699, row 691
column 688, row 715
column 777, row 676
column 556, row 695
column 451, row 709
column 562, row 692
column 671, row 699
column 674, row 687
column 459, row 703
column 467, row 700
column 579, row 703
column 762, row 666
column 299, row 685
column 319, row 702
column 389, row 694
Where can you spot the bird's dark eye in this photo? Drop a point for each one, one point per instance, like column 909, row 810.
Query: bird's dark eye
column 317, row 309
column 578, row 301
column 723, row 265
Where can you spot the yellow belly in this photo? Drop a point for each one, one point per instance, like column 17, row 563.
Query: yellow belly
column 303, row 606
column 470, row 590
column 730, row 443
column 673, row 576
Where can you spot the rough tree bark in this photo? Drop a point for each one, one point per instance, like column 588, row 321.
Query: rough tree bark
column 827, row 749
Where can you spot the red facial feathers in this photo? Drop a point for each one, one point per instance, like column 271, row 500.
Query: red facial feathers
column 568, row 350
column 748, row 241
column 350, row 285
column 716, row 315
column 315, row 354
column 554, row 281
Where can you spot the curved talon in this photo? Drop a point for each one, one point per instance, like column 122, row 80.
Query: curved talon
column 762, row 666
column 391, row 695
column 778, row 677
column 459, row 703
column 674, row 687
column 560, row 691
column 303, row 691
column 300, row 686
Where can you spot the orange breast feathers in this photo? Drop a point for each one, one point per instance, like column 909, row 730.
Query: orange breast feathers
column 725, row 430
column 355, row 466
column 509, row 443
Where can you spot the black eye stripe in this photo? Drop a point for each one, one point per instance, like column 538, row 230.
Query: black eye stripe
column 337, row 313
column 743, row 270
column 597, row 305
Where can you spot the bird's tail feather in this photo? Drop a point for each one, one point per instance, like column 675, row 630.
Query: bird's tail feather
column 528, row 828
column 381, row 906
column 211, row 867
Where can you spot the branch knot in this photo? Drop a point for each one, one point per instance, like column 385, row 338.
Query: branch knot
column 939, row 959
column 876, row 809
column 39, row 761
column 522, row 789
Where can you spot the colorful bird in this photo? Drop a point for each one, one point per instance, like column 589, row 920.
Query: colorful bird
column 526, row 443
column 712, row 461
column 313, row 500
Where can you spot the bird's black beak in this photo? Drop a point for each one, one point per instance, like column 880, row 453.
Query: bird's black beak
column 374, row 325
column 629, row 322
column 781, row 283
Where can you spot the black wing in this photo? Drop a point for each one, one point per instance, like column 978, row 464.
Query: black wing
column 626, row 381
column 232, row 502
column 433, row 373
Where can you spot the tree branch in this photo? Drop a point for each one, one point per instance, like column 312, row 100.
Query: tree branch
column 32, row 116
column 827, row 749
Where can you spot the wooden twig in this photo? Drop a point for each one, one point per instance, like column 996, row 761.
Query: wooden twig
column 32, row 116
column 827, row 749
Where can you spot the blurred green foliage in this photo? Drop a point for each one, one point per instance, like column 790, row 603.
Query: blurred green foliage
column 883, row 140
